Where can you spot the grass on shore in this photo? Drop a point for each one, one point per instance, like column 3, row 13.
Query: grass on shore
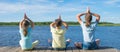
column 48, row 23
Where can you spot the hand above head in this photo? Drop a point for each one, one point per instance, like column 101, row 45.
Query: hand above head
column 25, row 16
column 59, row 17
column 65, row 24
column 88, row 10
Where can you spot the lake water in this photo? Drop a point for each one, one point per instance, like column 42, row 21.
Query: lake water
column 109, row 35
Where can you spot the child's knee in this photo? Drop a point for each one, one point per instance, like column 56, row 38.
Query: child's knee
column 20, row 42
column 97, row 40
column 35, row 42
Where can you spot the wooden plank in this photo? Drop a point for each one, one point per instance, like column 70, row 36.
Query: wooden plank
column 18, row 50
column 5, row 49
column 25, row 51
column 105, row 50
column 61, row 51
column 76, row 49
column 54, row 50
column 99, row 50
column 35, row 49
column 11, row 49
column 42, row 49
column 48, row 50
column 2, row 49
column 45, row 49
column 117, row 50
column 89, row 50
column 69, row 49
column 82, row 50
column 110, row 50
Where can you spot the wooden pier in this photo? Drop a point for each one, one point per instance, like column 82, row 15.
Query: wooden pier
column 45, row 49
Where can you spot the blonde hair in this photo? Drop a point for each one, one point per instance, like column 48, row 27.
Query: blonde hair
column 58, row 22
column 88, row 19
column 25, row 24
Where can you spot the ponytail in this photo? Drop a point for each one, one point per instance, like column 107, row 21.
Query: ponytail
column 58, row 22
column 87, row 24
column 25, row 27
column 25, row 32
column 88, row 18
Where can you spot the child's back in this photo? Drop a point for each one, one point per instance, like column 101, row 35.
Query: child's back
column 88, row 29
column 58, row 37
column 88, row 32
column 25, row 27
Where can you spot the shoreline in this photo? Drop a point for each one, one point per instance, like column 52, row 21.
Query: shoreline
column 48, row 23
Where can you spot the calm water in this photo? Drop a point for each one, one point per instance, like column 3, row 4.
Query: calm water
column 110, row 36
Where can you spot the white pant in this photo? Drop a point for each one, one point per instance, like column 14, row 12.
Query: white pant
column 33, row 44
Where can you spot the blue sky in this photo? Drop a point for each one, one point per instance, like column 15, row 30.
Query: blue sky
column 48, row 10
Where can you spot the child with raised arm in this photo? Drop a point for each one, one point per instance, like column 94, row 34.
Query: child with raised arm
column 25, row 27
column 88, row 29
column 58, row 39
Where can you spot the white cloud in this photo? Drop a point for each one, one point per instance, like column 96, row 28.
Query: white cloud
column 35, row 8
column 88, row 2
column 34, row 1
column 23, row 7
column 1, row 12
column 118, row 6
column 60, row 0
column 111, row 19
column 11, row 8
column 106, row 13
column 41, row 0
column 112, row 1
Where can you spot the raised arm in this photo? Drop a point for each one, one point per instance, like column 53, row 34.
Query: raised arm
column 65, row 24
column 21, row 22
column 88, row 10
column 32, row 24
column 52, row 24
column 97, row 17
column 79, row 17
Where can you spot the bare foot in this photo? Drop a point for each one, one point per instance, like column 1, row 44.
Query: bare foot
column 97, row 42
column 68, row 40
column 78, row 44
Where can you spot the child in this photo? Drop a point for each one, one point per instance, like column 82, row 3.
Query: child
column 88, row 29
column 26, row 26
column 58, row 42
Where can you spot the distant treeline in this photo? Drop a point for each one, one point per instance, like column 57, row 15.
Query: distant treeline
column 48, row 23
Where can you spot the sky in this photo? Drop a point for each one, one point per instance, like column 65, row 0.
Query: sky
column 49, row 10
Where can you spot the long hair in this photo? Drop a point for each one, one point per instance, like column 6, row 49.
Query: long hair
column 88, row 19
column 25, row 25
column 58, row 22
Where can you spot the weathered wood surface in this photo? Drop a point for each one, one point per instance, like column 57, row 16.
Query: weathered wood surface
column 45, row 49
